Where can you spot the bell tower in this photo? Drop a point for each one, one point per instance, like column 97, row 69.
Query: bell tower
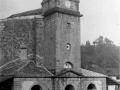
column 62, row 34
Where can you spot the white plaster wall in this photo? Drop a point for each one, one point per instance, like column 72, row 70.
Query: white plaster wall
column 111, row 87
column 26, row 85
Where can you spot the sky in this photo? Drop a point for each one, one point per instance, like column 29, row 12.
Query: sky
column 100, row 17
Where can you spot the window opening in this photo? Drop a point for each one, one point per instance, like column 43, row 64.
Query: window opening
column 91, row 87
column 68, row 65
column 68, row 46
column 68, row 25
column 69, row 87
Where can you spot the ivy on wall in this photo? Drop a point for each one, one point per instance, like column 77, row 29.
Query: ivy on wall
column 18, row 31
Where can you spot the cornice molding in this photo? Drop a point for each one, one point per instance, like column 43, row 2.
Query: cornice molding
column 61, row 10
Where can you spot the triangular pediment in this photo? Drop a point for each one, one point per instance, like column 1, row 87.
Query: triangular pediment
column 68, row 73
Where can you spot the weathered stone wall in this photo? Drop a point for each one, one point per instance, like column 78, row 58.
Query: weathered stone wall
column 100, row 83
column 61, row 83
column 68, row 32
column 48, row 4
column 14, row 32
column 60, row 30
column 73, row 6
column 49, row 41
column 28, row 83
column 40, row 37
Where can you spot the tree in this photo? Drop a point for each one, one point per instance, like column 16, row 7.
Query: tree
column 99, row 40
column 108, row 41
column 88, row 43
column 94, row 42
column 103, row 55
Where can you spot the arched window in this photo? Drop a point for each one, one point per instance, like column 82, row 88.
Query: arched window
column 91, row 87
column 68, row 65
column 36, row 87
column 69, row 87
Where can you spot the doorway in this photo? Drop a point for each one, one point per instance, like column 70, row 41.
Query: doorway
column 69, row 87
column 36, row 87
column 91, row 87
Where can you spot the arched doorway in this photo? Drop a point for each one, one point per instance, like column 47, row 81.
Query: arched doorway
column 36, row 87
column 91, row 87
column 69, row 87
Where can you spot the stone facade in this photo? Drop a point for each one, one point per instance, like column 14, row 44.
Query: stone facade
column 59, row 83
column 28, row 83
column 100, row 83
column 52, row 40
column 62, row 30
column 17, row 32
column 63, row 82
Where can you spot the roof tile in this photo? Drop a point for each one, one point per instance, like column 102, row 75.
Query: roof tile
column 89, row 73
column 23, row 68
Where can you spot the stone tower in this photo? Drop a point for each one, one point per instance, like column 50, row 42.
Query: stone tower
column 62, row 34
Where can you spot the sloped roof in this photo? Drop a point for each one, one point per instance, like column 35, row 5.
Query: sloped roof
column 88, row 73
column 106, row 71
column 23, row 68
column 82, row 73
column 31, row 70
column 96, row 69
column 12, row 63
column 109, row 80
column 31, row 12
column 27, row 68
column 63, row 73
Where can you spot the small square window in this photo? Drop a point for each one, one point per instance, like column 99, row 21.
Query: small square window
column 68, row 25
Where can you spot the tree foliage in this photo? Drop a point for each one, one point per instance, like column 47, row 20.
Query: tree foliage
column 102, row 40
column 88, row 43
column 102, row 54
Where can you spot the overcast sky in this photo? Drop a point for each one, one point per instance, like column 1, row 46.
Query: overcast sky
column 100, row 17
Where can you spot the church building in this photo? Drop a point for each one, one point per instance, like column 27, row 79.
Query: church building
column 40, row 50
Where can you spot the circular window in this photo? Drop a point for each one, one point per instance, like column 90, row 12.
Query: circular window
column 36, row 87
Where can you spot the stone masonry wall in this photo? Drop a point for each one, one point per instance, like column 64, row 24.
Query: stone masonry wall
column 14, row 32
column 28, row 83
column 100, row 83
column 61, row 83
column 49, row 41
